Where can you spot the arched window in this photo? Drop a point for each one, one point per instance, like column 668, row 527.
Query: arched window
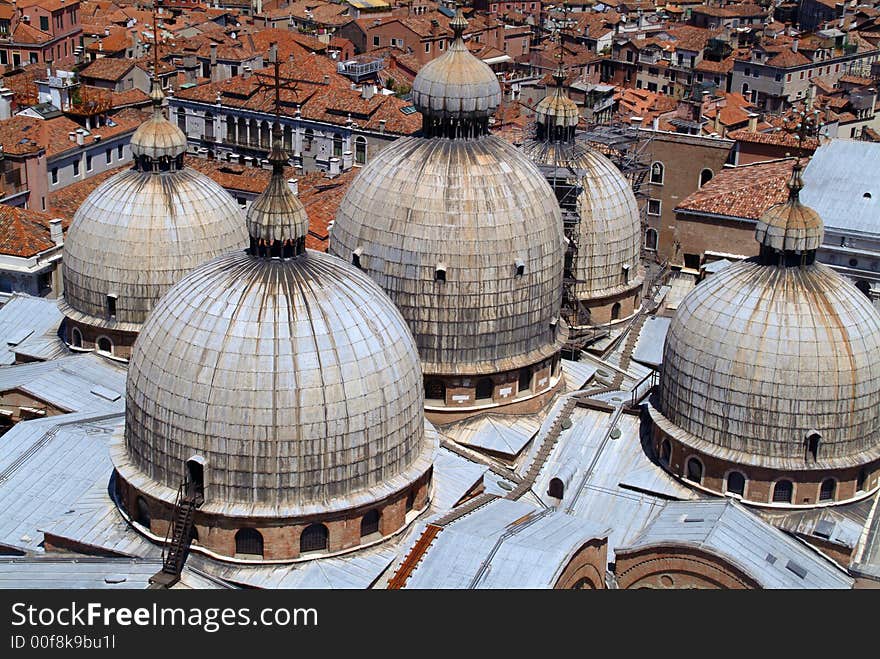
column 142, row 513
column 485, row 388
column 556, row 489
column 657, row 170
column 864, row 287
column 651, row 238
column 249, row 542
column 783, row 491
column 435, row 389
column 360, row 150
column 694, row 470
column 242, row 131
column 706, row 176
column 862, row 480
column 265, row 135
column 308, row 138
column 811, row 444
column 105, row 345
column 231, row 127
column 76, row 337
column 370, row 523
column 745, row 90
column 615, row 311
column 525, row 379
column 410, row 500
column 288, row 139
column 181, row 119
column 337, row 144
column 736, row 483
column 827, row 489
column 209, row 126
column 315, row 538
column 665, row 452
column 440, row 273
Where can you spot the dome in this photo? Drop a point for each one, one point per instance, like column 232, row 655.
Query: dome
column 791, row 226
column 466, row 237
column 456, row 85
column 609, row 229
column 759, row 357
column 138, row 233
column 157, row 138
column 296, row 380
column 557, row 109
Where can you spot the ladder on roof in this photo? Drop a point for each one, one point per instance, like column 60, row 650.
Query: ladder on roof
column 179, row 537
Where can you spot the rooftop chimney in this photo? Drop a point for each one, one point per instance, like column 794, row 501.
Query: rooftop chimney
column 80, row 136
column 381, row 125
column 246, row 72
column 56, row 233
column 326, row 79
column 335, row 167
column 794, row 45
column 753, row 122
column 368, row 90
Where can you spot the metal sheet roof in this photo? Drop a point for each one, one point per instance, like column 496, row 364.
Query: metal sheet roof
column 45, row 465
column 836, row 181
column 29, row 326
column 80, row 572
column 726, row 528
column 498, row 546
column 454, row 476
column 74, row 383
column 503, row 434
column 578, row 373
column 649, row 347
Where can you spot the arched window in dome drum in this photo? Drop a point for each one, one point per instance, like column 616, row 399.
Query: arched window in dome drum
column 862, row 480
column 782, row 491
column 694, row 470
column 657, row 171
column 485, row 388
column 665, row 452
column 435, row 389
column 337, row 145
column 370, row 523
column 525, row 379
column 249, row 542
column 410, row 500
column 76, row 337
column 360, row 150
column 556, row 489
column 615, row 311
column 105, row 345
column 736, row 483
column 142, row 514
column 811, row 444
column 315, row 538
column 827, row 489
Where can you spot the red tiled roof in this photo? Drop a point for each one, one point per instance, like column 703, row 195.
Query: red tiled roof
column 108, row 68
column 744, row 192
column 25, row 33
column 24, row 233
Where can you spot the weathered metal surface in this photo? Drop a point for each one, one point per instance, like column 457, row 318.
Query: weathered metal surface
column 296, row 380
column 277, row 214
column 757, row 356
column 29, row 326
column 136, row 235
column 456, row 84
column 608, row 232
column 557, row 109
column 729, row 530
column 477, row 208
column 791, row 226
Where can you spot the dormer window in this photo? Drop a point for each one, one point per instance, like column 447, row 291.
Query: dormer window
column 356, row 258
column 440, row 272
column 111, row 306
column 520, row 268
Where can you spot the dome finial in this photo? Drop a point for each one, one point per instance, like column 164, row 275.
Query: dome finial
column 796, row 182
column 458, row 23
column 789, row 232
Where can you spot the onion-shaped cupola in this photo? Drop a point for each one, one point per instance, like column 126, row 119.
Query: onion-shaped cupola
column 770, row 381
column 465, row 236
column 137, row 234
column 556, row 115
column 456, row 93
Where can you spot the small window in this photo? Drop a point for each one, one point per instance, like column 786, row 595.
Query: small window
column 249, row 542
column 435, row 389
column 520, row 268
column 44, row 23
column 76, row 167
column 651, row 239
column 314, row 538
column 111, row 306
column 428, row 47
column 525, row 379
column 694, row 470
column 654, row 206
column 410, row 500
column 812, row 445
column 143, row 513
column 485, row 388
column 862, row 481
column 54, row 175
column 440, row 273
column 375, row 41
column 108, row 156
column 89, row 162
column 370, row 523
column 782, row 491
column 119, row 151
column 76, row 338
column 105, row 345
column 706, row 176
column 827, row 489
column 657, row 171
column 736, row 483
column 615, row 311
column 665, row 452
column 556, row 489
column 241, row 201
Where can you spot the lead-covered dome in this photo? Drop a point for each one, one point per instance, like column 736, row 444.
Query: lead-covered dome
column 466, row 238
column 288, row 374
column 456, row 85
column 140, row 231
column 774, row 364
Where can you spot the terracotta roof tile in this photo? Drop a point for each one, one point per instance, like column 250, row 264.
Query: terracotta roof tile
column 23, row 233
column 108, row 68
